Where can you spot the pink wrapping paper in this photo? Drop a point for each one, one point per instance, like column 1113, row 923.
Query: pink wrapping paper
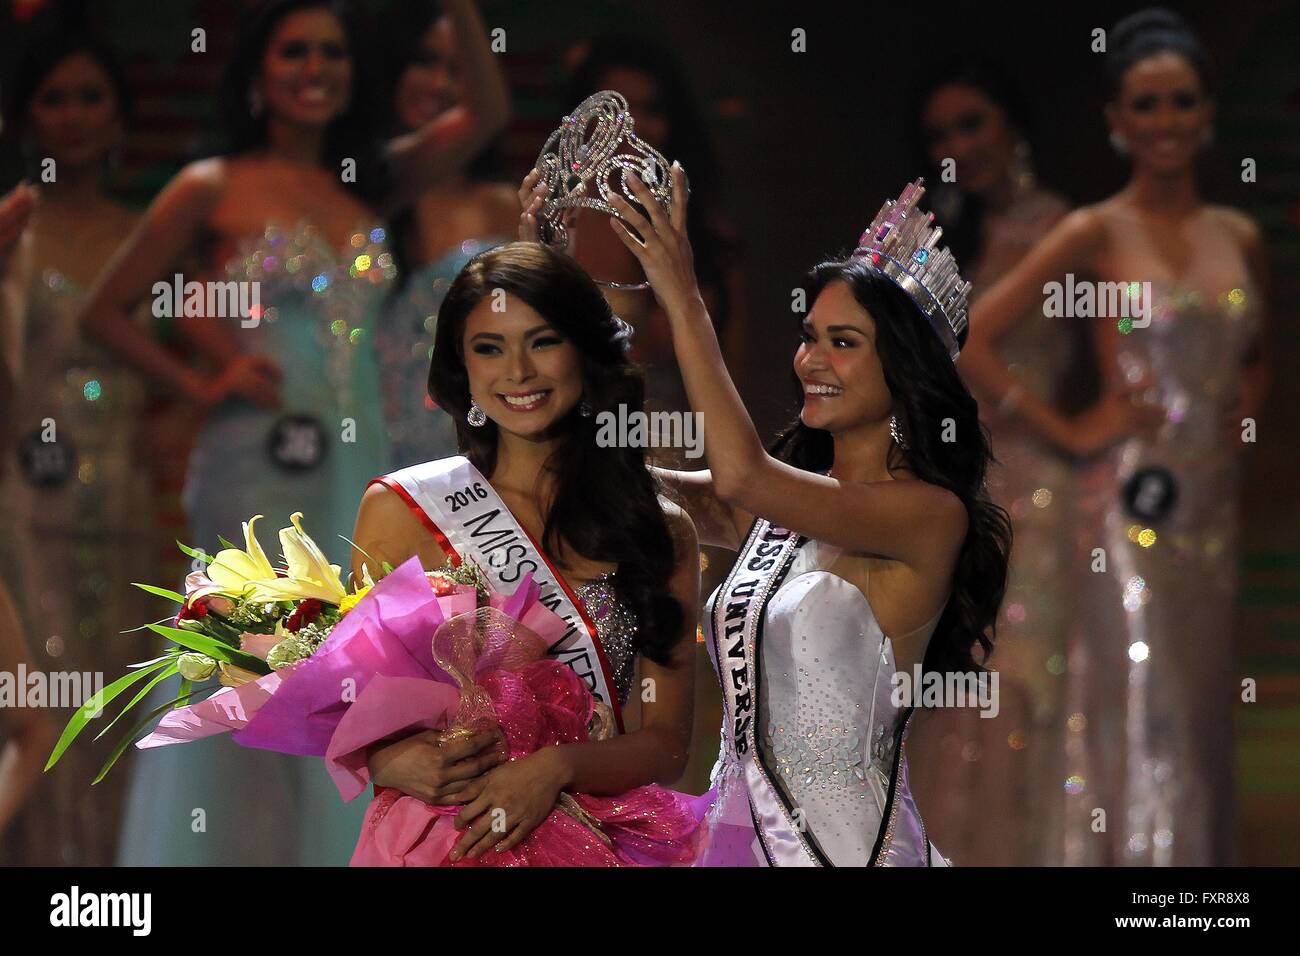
column 228, row 709
column 387, row 634
column 376, row 676
column 388, row 706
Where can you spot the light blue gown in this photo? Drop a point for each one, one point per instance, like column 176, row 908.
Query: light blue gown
column 418, row 430
column 213, row 802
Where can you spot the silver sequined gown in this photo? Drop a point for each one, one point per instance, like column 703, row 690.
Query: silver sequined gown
column 75, row 520
column 1151, row 676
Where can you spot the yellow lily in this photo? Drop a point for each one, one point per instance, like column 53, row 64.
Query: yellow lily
column 310, row 575
column 234, row 572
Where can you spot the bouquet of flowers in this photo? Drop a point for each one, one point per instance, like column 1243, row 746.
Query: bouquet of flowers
column 297, row 664
column 241, row 621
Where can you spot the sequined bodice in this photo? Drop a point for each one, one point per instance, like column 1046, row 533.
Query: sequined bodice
column 300, row 261
column 318, row 307
column 616, row 628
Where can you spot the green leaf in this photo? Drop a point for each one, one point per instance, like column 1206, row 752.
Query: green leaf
column 169, row 671
column 143, row 627
column 170, row 654
column 212, row 647
column 228, row 544
column 161, row 592
column 129, row 738
column 95, row 705
column 196, row 555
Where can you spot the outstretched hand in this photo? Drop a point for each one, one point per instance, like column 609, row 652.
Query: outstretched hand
column 663, row 250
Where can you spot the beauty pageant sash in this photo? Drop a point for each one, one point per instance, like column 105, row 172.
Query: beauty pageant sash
column 463, row 511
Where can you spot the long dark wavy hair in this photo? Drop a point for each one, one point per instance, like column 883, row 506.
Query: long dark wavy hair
column 926, row 390
column 606, row 506
column 354, row 134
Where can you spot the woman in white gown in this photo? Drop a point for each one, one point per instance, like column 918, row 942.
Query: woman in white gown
column 868, row 548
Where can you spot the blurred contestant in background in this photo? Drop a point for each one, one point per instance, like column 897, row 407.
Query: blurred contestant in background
column 295, row 411
column 75, row 491
column 990, row 788
column 1150, row 678
column 26, row 733
column 469, row 211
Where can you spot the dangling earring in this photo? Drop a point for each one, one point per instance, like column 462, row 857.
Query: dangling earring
column 1118, row 142
column 254, row 102
column 475, row 416
column 896, row 433
column 584, row 408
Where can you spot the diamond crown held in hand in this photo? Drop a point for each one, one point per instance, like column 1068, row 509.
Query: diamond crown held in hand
column 588, row 158
column 902, row 242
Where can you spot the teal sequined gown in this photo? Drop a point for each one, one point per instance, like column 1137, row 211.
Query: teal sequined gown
column 213, row 802
column 417, row 429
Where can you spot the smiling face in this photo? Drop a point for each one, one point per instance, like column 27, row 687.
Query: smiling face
column 1162, row 111
column 74, row 113
column 522, row 372
column 430, row 84
column 963, row 124
column 837, row 364
column 306, row 77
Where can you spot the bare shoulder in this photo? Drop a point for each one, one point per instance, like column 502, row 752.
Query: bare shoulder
column 388, row 529
column 204, row 177
column 942, row 512
column 383, row 506
column 196, row 190
column 1088, row 223
column 1241, row 226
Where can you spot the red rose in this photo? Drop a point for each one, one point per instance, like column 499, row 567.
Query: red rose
column 306, row 612
column 441, row 584
column 191, row 611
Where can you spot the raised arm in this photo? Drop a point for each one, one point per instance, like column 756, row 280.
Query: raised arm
column 905, row 520
column 717, row 523
column 446, row 144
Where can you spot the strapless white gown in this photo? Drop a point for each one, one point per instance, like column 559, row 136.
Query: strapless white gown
column 827, row 729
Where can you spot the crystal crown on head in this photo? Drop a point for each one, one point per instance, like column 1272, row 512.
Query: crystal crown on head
column 901, row 243
column 588, row 158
